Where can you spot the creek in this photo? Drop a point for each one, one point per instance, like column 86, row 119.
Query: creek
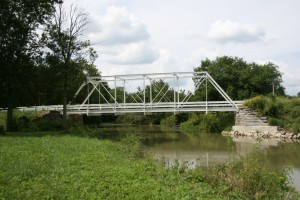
column 192, row 150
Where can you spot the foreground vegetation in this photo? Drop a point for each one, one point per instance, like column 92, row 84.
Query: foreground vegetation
column 53, row 165
column 281, row 111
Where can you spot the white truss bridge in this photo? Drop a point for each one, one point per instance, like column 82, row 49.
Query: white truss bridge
column 145, row 93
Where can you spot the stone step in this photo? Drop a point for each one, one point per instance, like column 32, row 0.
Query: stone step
column 248, row 117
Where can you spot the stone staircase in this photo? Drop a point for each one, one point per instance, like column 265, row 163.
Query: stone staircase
column 248, row 117
column 248, row 123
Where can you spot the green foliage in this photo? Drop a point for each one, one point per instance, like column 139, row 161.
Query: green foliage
column 296, row 125
column 188, row 126
column 281, row 111
column 20, row 50
column 70, row 167
column 239, row 79
column 48, row 125
column 169, row 121
column 276, row 122
column 208, row 123
column 250, row 178
column 140, row 119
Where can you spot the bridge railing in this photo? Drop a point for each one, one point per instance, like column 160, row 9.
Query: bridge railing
column 122, row 108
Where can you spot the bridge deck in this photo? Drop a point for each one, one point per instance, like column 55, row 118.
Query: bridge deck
column 121, row 108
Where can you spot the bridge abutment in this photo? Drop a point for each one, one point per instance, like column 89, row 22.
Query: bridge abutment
column 247, row 120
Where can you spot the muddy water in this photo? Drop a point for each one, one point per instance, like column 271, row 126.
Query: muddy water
column 192, row 150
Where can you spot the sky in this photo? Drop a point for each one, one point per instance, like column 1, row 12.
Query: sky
column 143, row 36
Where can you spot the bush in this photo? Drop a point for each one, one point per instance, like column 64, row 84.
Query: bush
column 251, row 177
column 23, row 123
column 281, row 111
column 276, row 122
column 208, row 123
column 296, row 125
column 169, row 122
column 48, row 125
column 188, row 126
column 295, row 112
column 256, row 103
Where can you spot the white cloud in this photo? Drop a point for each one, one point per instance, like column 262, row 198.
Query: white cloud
column 173, row 42
column 228, row 31
column 134, row 53
column 200, row 54
column 123, row 39
column 118, row 26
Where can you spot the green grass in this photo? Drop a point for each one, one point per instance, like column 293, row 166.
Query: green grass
column 69, row 167
column 58, row 166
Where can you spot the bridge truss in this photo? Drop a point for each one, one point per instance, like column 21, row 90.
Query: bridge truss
column 148, row 93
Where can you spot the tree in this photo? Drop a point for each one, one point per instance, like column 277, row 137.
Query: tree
column 239, row 79
column 19, row 47
column 46, row 74
column 64, row 38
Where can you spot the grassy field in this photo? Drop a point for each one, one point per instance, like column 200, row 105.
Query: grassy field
column 58, row 166
column 54, row 166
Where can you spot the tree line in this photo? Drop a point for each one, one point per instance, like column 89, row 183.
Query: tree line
column 44, row 58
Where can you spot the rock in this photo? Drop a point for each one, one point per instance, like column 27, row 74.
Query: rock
column 288, row 135
column 225, row 133
column 248, row 134
column 294, row 137
column 278, row 134
column 236, row 133
column 259, row 134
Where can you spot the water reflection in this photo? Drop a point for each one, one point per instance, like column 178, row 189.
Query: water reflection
column 192, row 150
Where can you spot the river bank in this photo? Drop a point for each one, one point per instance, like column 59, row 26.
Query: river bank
column 55, row 165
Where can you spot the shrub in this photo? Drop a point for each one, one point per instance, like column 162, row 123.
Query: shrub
column 256, row 103
column 295, row 112
column 252, row 178
column 48, row 125
column 209, row 123
column 296, row 125
column 188, row 126
column 169, row 122
column 276, row 122
column 23, row 123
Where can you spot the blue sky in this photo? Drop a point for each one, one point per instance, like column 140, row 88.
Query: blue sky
column 143, row 36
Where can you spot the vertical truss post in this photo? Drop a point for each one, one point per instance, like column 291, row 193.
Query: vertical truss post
column 144, row 83
column 88, row 107
column 150, row 92
column 175, row 77
column 115, row 94
column 206, row 109
column 99, row 94
column 177, row 82
column 124, row 93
